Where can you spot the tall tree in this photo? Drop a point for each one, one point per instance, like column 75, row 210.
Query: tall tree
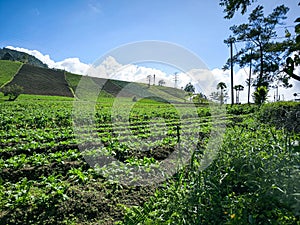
column 161, row 82
column 222, row 86
column 293, row 59
column 260, row 48
column 237, row 89
column 149, row 80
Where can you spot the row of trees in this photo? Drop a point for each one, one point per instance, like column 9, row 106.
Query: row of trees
column 260, row 95
column 152, row 77
column 270, row 58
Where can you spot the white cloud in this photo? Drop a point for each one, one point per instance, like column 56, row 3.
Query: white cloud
column 111, row 69
column 72, row 65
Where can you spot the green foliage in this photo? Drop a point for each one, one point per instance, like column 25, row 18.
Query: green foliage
column 134, row 98
column 29, row 98
column 281, row 115
column 12, row 91
column 293, row 62
column 200, row 98
column 243, row 109
column 189, row 88
column 255, row 183
column 45, row 179
column 231, row 6
column 260, row 50
column 260, row 95
column 44, row 176
column 222, row 96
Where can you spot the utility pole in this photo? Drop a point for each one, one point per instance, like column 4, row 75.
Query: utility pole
column 249, row 85
column 176, row 79
column 231, row 71
column 149, row 80
column 154, row 79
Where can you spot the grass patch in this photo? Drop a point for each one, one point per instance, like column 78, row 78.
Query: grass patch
column 27, row 97
column 7, row 70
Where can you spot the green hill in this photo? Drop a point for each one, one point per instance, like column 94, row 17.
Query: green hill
column 43, row 81
column 7, row 70
column 120, row 88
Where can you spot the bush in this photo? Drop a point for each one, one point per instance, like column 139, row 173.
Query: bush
column 12, row 91
column 241, row 109
column 260, row 95
column 281, row 115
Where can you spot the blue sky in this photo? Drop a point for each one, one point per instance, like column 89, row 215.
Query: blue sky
column 88, row 29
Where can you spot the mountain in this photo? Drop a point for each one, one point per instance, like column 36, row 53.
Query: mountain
column 13, row 55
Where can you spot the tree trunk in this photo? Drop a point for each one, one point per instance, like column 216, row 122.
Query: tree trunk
column 249, row 84
column 259, row 83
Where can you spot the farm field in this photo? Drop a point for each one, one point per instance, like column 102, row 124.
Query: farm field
column 49, row 175
column 42, row 81
column 7, row 70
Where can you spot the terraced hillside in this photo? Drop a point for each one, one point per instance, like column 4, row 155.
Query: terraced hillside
column 7, row 70
column 40, row 81
column 114, row 88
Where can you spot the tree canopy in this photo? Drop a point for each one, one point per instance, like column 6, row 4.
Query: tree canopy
column 189, row 88
column 231, row 6
column 261, row 46
column 292, row 59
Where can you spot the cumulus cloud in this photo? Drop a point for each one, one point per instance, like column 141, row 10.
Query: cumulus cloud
column 111, row 69
column 72, row 65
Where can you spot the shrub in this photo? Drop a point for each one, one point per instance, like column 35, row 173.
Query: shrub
column 260, row 95
column 12, row 91
column 281, row 115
